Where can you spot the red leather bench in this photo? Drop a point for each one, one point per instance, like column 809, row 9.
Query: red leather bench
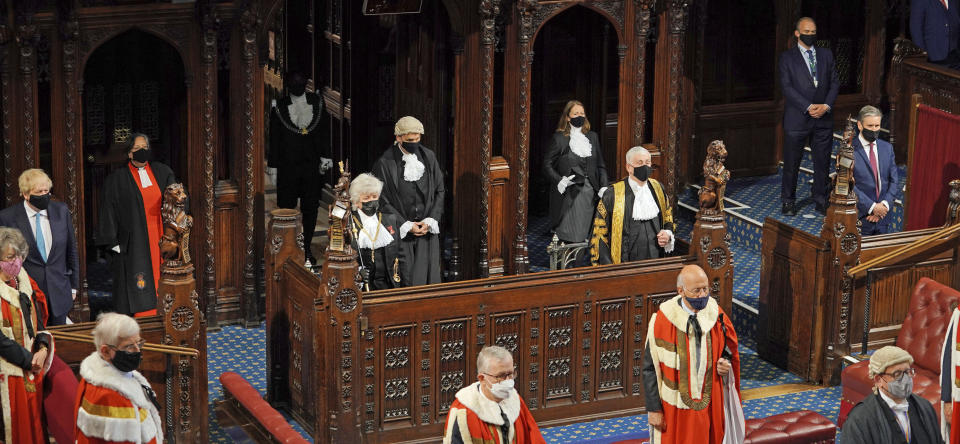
column 921, row 335
column 264, row 424
column 800, row 427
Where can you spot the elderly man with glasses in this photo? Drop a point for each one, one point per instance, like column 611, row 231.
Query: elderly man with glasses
column 115, row 402
column 490, row 410
column 893, row 413
column 691, row 368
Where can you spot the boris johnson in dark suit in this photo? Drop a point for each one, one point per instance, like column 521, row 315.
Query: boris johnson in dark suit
column 935, row 27
column 874, row 162
column 810, row 86
column 55, row 267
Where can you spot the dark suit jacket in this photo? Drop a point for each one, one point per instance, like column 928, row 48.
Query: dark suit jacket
column 799, row 92
column 560, row 161
column 934, row 28
column 866, row 185
column 61, row 272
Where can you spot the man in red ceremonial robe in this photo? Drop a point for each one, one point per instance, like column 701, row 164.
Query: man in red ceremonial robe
column 691, row 352
column 949, row 384
column 115, row 403
column 26, row 351
column 490, row 411
column 130, row 226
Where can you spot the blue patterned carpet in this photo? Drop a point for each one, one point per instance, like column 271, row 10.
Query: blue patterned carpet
column 242, row 350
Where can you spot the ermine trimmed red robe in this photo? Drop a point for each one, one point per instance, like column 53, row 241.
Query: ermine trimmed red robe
column 21, row 391
column 112, row 406
column 691, row 396
column 476, row 419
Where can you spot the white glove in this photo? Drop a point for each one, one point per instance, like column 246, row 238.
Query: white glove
column 600, row 193
column 272, row 175
column 325, row 165
column 116, row 248
column 565, row 182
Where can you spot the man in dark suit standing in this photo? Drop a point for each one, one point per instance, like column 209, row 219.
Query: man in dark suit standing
column 935, row 27
column 875, row 172
column 809, row 84
column 48, row 229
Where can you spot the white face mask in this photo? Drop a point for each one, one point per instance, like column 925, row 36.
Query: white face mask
column 502, row 389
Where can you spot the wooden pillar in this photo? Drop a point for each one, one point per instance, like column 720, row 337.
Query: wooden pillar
column 710, row 242
column 489, row 9
column 7, row 106
column 185, row 326
column 499, row 176
column 525, row 11
column 251, row 143
column 677, row 25
column 27, row 38
column 841, row 232
column 209, row 24
column 641, row 28
column 285, row 234
column 72, row 177
column 342, row 326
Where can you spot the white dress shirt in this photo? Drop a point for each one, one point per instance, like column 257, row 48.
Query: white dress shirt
column 383, row 237
column 44, row 226
column 876, row 174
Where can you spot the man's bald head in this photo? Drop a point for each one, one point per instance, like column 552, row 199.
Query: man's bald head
column 803, row 21
column 693, row 283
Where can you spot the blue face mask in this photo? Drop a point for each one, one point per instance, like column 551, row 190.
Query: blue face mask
column 698, row 303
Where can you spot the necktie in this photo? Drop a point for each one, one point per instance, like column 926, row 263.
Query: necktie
column 874, row 169
column 41, row 245
column 813, row 64
column 697, row 332
column 903, row 417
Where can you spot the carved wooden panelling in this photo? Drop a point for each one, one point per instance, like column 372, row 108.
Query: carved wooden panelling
column 612, row 318
column 506, row 332
column 149, row 101
column 122, row 110
column 397, row 374
column 451, row 359
column 93, row 107
column 561, row 358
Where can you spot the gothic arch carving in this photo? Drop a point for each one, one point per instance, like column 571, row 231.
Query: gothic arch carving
column 612, row 11
column 176, row 35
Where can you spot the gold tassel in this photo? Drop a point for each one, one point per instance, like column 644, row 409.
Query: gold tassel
column 396, row 270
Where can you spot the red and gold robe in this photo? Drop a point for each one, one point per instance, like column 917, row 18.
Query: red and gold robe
column 949, row 374
column 476, row 419
column 112, row 406
column 692, row 398
column 21, row 391
column 152, row 203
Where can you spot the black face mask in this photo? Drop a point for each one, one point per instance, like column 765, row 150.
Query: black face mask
column 126, row 361
column 869, row 135
column 410, row 147
column 642, row 173
column 578, row 121
column 297, row 90
column 808, row 39
column 370, row 208
column 698, row 303
column 41, row 201
column 141, row 155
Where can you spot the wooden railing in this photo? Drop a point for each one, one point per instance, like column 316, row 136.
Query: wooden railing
column 899, row 255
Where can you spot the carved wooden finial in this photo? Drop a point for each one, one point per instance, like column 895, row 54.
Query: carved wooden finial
column 953, row 207
column 175, row 242
column 715, row 177
column 340, row 216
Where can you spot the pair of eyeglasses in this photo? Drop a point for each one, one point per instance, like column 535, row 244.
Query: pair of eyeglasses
column 502, row 376
column 701, row 290
column 129, row 348
column 898, row 375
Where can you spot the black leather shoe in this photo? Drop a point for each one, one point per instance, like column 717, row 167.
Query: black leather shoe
column 788, row 209
column 821, row 208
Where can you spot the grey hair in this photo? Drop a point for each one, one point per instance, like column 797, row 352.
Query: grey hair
column 133, row 140
column 869, row 111
column 804, row 19
column 365, row 183
column 12, row 237
column 680, row 281
column 112, row 328
column 636, row 151
column 493, row 352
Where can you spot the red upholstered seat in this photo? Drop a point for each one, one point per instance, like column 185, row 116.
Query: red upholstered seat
column 804, row 426
column 921, row 335
column 271, row 420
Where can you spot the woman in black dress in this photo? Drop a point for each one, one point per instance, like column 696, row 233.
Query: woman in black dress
column 575, row 169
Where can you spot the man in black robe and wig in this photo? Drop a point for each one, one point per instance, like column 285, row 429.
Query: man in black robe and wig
column 299, row 131
column 413, row 190
column 893, row 413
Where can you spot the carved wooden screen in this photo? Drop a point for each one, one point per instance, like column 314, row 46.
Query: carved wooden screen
column 577, row 340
